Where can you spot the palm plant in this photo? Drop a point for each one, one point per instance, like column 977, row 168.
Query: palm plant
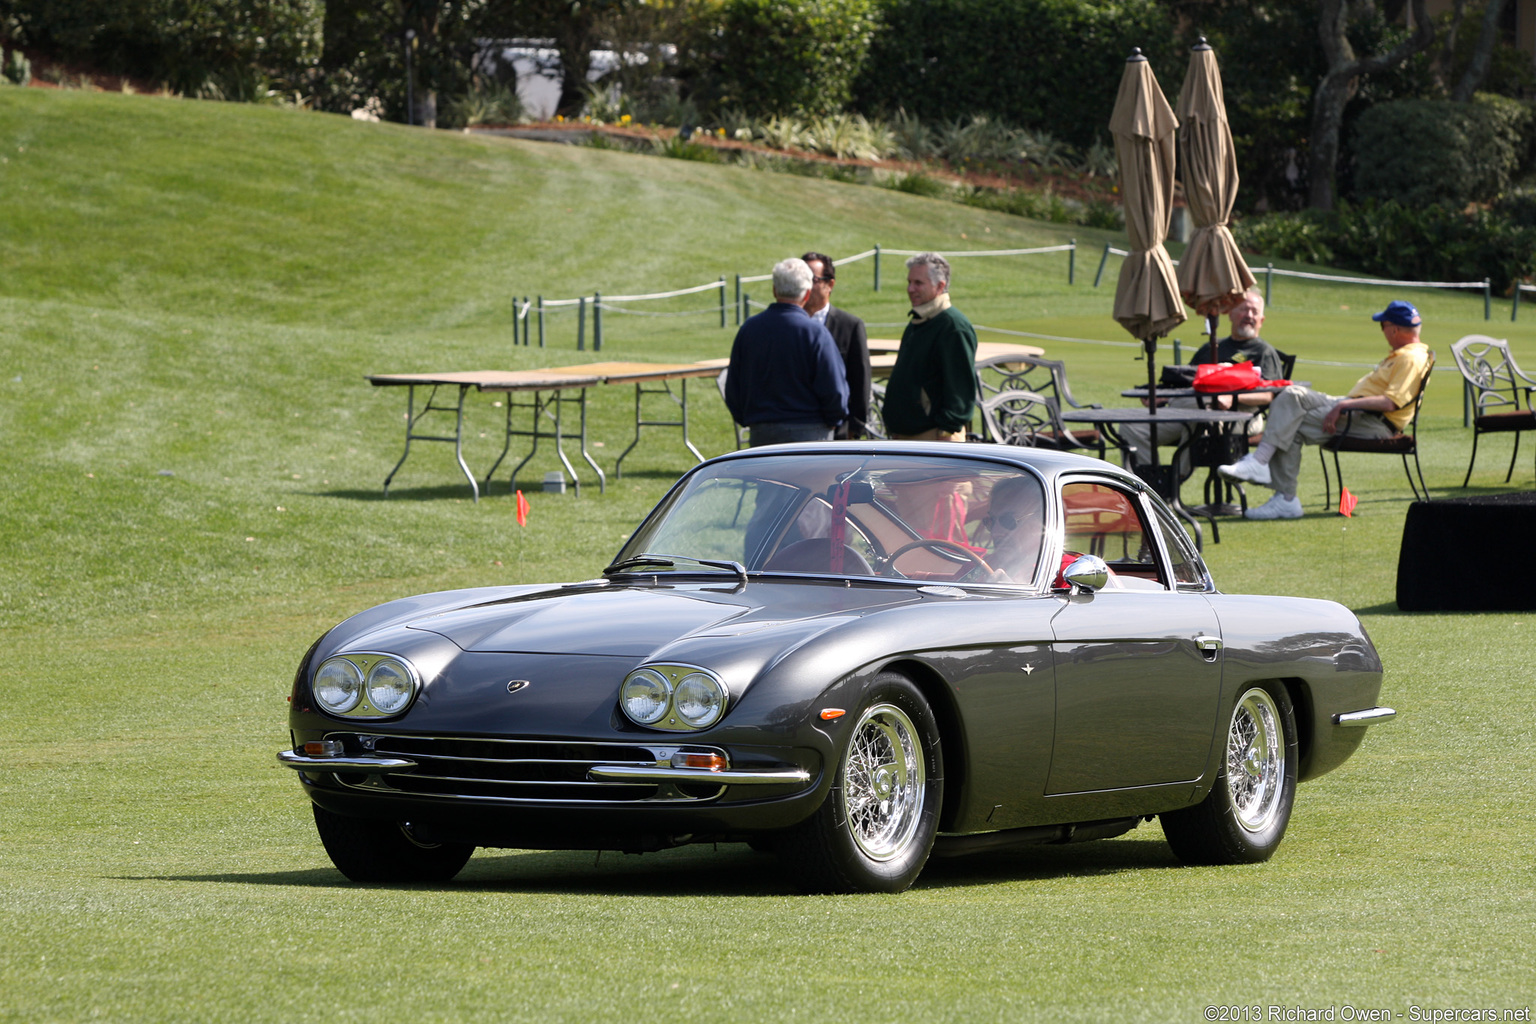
column 1045, row 151
column 913, row 140
column 1100, row 161
column 784, row 133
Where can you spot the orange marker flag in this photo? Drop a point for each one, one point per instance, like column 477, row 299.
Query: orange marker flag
column 1347, row 503
column 522, row 509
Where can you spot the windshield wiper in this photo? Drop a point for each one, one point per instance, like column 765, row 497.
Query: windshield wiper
column 733, row 566
column 629, row 563
column 669, row 561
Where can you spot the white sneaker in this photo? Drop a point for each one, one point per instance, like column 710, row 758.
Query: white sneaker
column 1248, row 469
column 1277, row 507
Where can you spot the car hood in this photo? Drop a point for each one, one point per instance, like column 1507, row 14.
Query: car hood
column 625, row 621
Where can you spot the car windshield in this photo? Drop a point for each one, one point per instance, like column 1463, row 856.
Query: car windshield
column 905, row 516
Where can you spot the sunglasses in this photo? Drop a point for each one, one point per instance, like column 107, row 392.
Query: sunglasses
column 1006, row 520
column 824, row 280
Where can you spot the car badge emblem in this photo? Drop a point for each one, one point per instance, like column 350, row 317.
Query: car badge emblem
column 516, row 684
column 1029, row 668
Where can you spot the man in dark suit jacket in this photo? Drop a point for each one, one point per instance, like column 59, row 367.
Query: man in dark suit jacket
column 848, row 333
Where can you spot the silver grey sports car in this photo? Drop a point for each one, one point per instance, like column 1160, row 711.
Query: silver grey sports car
column 851, row 654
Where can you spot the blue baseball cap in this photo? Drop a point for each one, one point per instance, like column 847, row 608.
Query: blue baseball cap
column 1401, row 313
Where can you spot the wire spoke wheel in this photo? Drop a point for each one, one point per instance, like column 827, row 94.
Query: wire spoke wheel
column 875, row 829
column 884, row 776
column 1243, row 817
column 1255, row 760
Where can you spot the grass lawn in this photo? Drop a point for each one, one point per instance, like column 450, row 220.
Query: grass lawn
column 190, row 295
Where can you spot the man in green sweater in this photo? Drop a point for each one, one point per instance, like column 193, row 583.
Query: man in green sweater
column 932, row 391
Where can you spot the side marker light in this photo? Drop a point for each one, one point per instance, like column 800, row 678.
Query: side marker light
column 827, row 714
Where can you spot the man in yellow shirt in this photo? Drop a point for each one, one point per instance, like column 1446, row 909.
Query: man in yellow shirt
column 1382, row 402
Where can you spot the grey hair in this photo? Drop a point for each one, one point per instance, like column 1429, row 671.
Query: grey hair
column 938, row 266
column 791, row 279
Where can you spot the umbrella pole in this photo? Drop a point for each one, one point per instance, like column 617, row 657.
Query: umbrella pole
column 1150, row 344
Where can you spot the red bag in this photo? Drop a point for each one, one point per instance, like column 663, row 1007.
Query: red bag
column 1214, row 378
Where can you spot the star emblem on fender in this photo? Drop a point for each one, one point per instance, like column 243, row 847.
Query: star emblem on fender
column 1029, row 667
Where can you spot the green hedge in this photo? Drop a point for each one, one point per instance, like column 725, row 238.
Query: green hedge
column 1054, row 65
column 776, row 57
column 1436, row 151
column 1406, row 243
column 231, row 49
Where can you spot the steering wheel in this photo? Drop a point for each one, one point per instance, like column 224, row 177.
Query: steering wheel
column 947, row 547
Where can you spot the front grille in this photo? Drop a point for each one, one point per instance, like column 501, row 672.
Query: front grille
column 542, row 771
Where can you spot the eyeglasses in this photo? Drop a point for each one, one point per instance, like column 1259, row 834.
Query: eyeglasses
column 824, row 280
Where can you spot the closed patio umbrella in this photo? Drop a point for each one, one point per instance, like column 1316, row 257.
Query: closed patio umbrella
column 1212, row 274
column 1147, row 300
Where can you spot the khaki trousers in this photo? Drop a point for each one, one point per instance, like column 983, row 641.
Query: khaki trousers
column 1296, row 419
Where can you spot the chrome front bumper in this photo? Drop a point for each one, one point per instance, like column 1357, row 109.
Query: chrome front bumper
column 1370, row 716
column 661, row 772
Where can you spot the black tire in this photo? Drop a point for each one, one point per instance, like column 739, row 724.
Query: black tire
column 370, row 850
column 1243, row 818
column 874, row 831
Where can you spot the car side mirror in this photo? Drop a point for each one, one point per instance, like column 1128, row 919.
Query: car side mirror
column 1087, row 572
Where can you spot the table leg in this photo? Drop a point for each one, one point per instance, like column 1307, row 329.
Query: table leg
column 547, row 406
column 683, row 386
column 538, row 410
column 411, row 419
column 560, row 442
column 506, row 445
column 602, row 480
column 641, row 421
column 458, row 443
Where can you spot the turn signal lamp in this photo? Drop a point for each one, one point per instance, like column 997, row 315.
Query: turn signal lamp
column 712, row 762
column 323, row 748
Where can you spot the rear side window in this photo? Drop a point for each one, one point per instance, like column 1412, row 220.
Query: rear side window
column 1106, row 521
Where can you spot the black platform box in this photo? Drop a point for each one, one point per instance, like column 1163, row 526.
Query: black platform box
column 1441, row 541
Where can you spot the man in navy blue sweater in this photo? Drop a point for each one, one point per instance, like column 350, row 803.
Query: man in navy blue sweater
column 786, row 379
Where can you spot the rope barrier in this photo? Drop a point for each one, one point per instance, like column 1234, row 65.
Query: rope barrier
column 979, row 252
column 609, row 308
column 712, row 286
column 1335, row 279
column 1054, row 337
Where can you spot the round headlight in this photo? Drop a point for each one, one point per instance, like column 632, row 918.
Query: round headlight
column 338, row 686
column 646, row 696
column 389, row 687
column 699, row 700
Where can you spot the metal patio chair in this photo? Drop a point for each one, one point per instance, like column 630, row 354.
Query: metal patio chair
column 1498, row 391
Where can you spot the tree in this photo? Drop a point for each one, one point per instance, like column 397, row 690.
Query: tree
column 365, row 46
column 577, row 27
column 783, row 57
column 1482, row 55
column 1342, row 80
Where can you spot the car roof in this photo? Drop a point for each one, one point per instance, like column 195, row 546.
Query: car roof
column 1046, row 462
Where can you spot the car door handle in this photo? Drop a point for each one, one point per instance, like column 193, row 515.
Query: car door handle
column 1210, row 646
